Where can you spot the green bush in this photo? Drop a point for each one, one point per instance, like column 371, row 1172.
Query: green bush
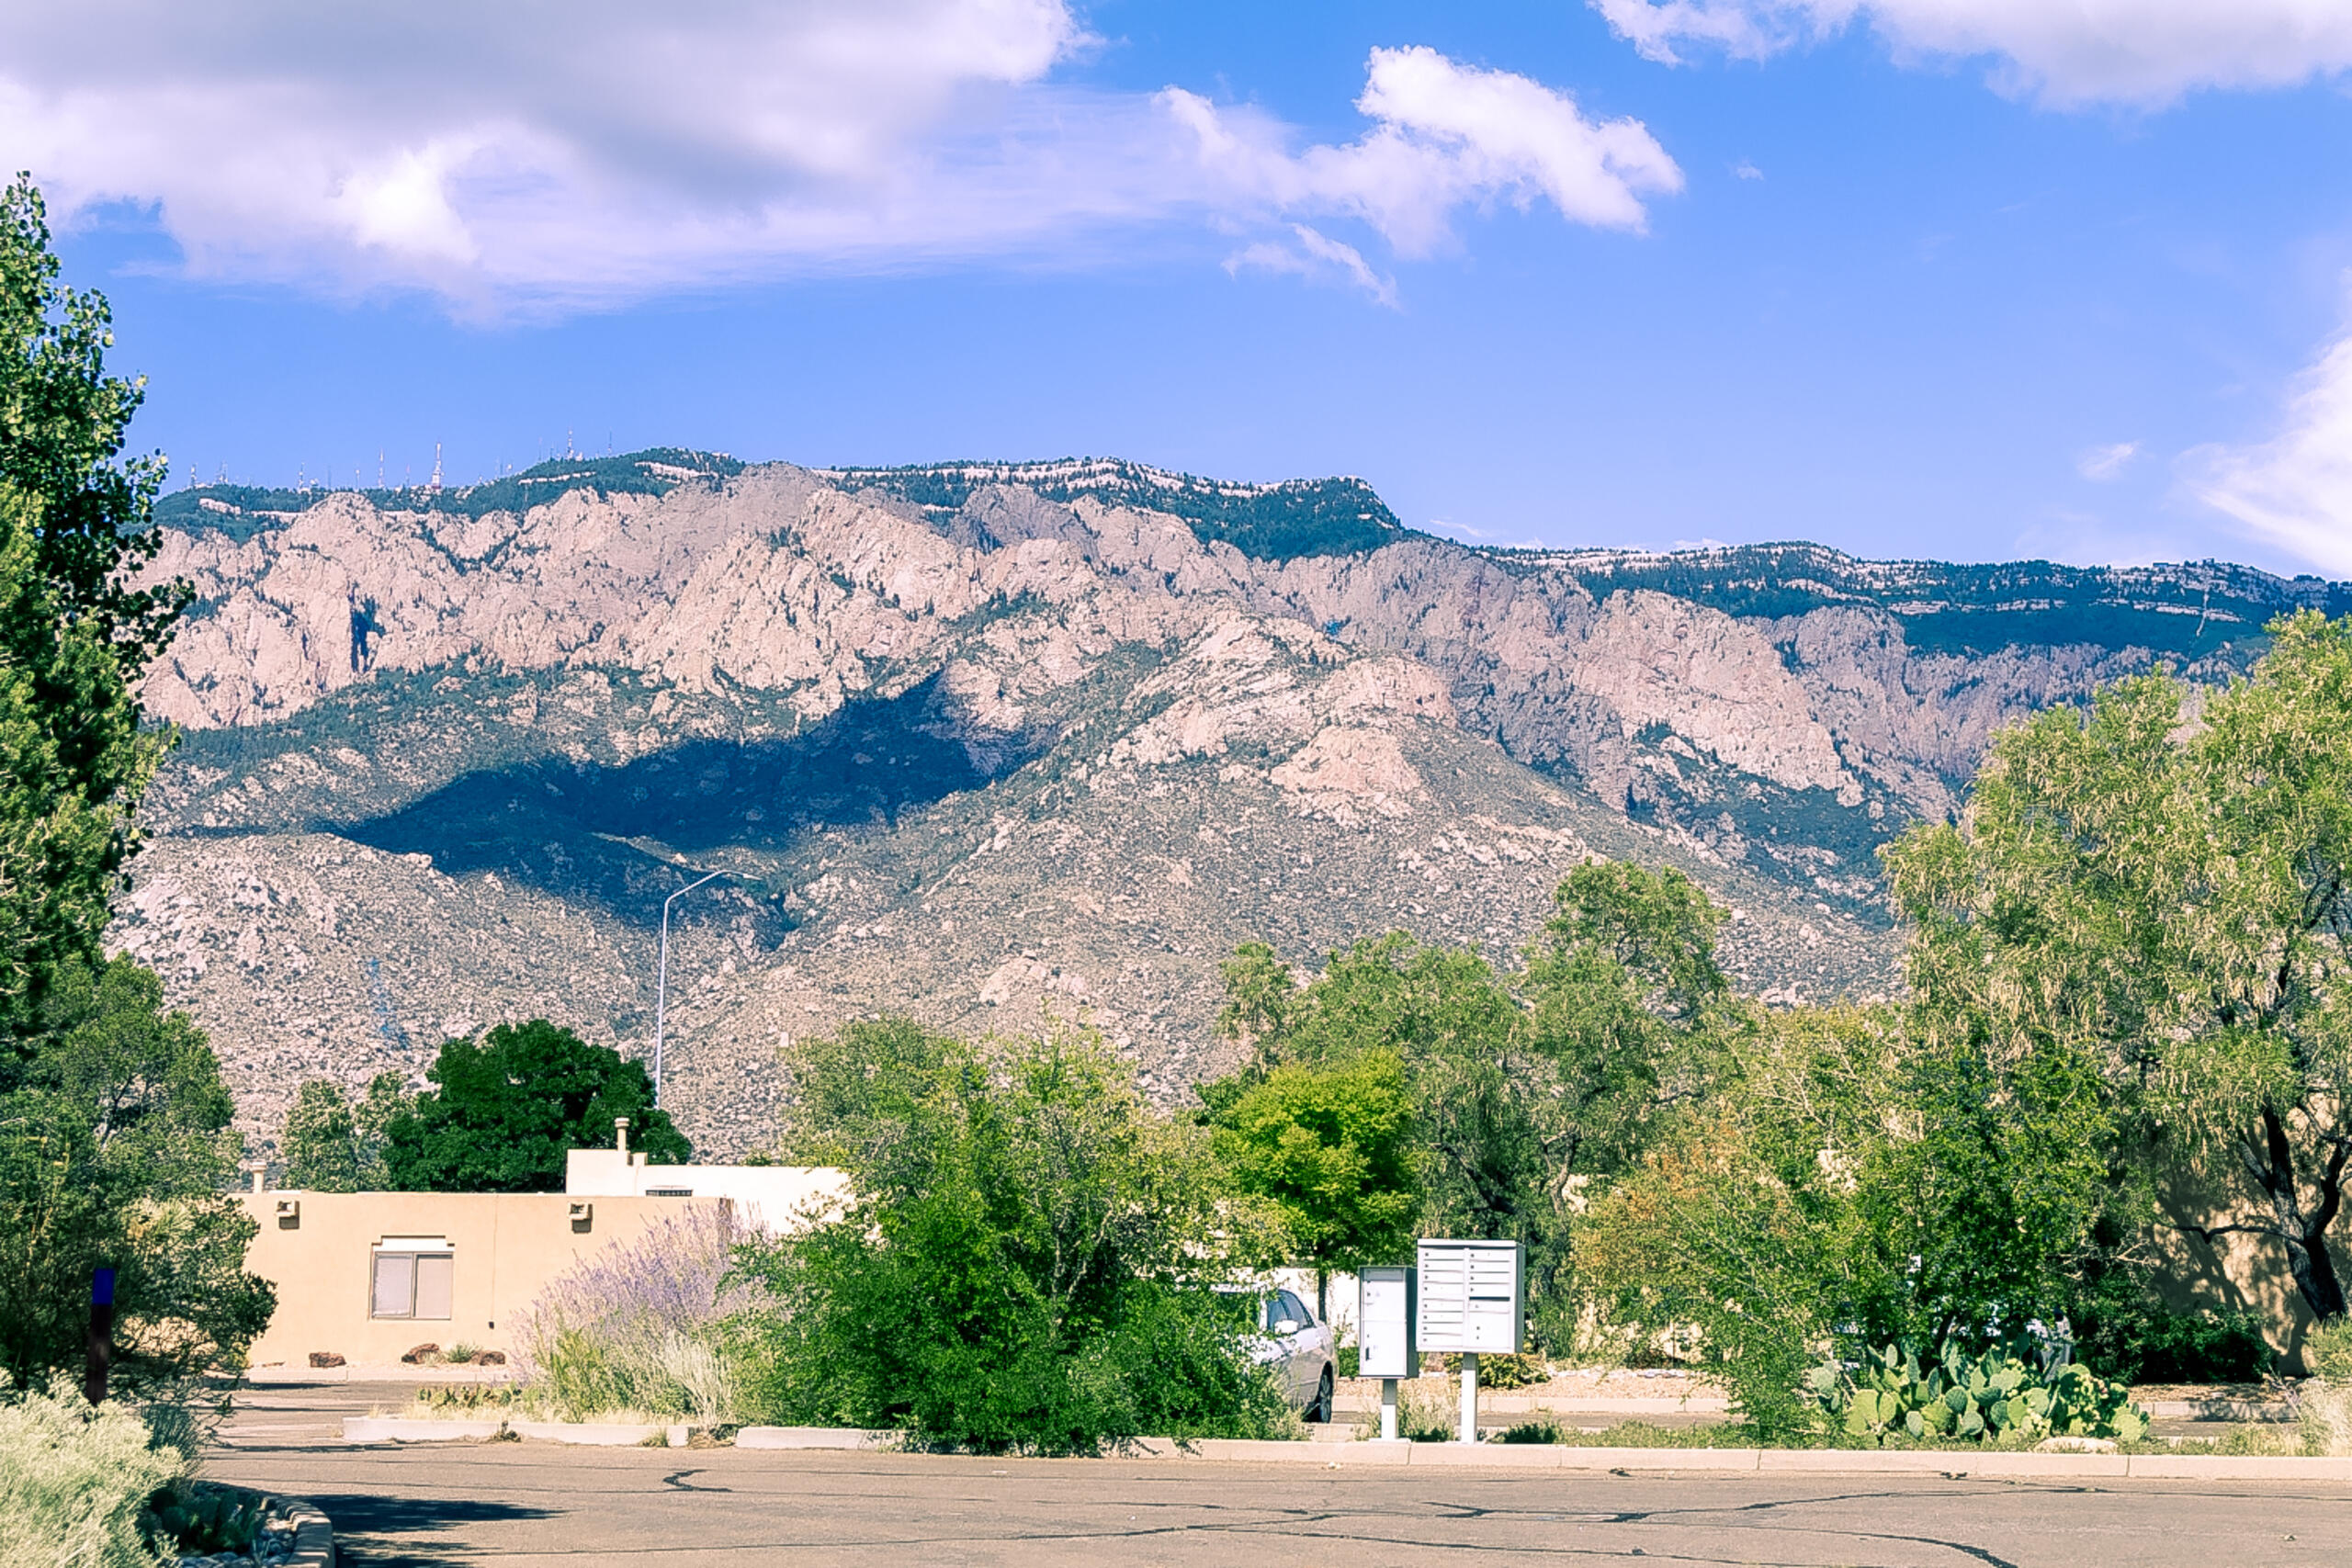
column 2327, row 1351
column 2140, row 1340
column 74, row 1480
column 1029, row 1265
column 1999, row 1393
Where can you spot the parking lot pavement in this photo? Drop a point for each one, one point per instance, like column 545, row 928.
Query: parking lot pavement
column 533, row 1506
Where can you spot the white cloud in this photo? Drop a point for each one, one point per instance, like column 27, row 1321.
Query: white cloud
column 1446, row 135
column 1747, row 171
column 1314, row 256
column 2065, row 52
column 516, row 159
column 2294, row 491
column 491, row 149
column 2101, row 463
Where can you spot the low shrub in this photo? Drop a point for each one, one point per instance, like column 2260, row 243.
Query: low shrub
column 2138, row 1339
column 1423, row 1415
column 1500, row 1372
column 1544, row 1427
column 74, row 1481
column 1999, row 1393
column 641, row 1327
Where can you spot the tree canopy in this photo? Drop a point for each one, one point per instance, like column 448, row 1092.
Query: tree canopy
column 115, row 1140
column 1333, row 1150
column 116, row 1152
column 2156, row 895
column 1522, row 1084
column 75, row 632
column 503, row 1114
column 329, row 1145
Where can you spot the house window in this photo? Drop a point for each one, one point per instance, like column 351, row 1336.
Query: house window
column 412, row 1280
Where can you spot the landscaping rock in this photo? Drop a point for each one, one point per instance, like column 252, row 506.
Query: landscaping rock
column 419, row 1352
column 325, row 1359
column 490, row 1359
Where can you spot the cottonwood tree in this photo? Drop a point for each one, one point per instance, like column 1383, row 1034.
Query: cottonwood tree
column 76, row 633
column 502, row 1115
column 1334, row 1151
column 329, row 1145
column 2160, row 885
column 1523, row 1083
column 114, row 1143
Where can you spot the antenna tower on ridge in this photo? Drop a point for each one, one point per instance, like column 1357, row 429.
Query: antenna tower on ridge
column 435, row 484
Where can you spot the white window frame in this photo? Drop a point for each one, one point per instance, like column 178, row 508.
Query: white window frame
column 414, row 1251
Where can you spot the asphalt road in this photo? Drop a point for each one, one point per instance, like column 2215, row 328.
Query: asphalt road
column 529, row 1504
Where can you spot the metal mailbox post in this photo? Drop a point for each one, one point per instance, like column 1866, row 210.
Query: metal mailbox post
column 1473, row 1303
column 1385, row 1346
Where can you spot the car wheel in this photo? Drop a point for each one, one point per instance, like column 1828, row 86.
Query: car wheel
column 1320, row 1411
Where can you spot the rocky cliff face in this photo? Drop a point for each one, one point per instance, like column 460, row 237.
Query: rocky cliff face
column 983, row 739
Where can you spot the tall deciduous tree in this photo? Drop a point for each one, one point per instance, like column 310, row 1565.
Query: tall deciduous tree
column 1522, row 1084
column 1333, row 1150
column 75, row 632
column 329, row 1145
column 2163, row 889
column 115, row 1144
column 503, row 1114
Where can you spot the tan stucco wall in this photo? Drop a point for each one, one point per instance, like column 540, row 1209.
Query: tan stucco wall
column 2237, row 1270
column 508, row 1246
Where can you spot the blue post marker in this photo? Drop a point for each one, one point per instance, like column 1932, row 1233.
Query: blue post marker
column 99, row 1348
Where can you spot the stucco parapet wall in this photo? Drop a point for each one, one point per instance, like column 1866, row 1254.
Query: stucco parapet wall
column 317, row 1248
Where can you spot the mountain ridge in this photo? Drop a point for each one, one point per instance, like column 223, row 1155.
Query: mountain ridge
column 971, row 760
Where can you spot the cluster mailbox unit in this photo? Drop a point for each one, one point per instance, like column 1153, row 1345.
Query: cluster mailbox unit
column 1473, row 1303
column 1385, row 1346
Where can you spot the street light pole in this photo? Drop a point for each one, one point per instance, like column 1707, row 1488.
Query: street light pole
column 661, row 979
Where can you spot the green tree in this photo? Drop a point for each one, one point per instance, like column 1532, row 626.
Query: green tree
column 1745, row 1238
column 116, row 1152
column 1523, row 1085
column 1333, row 1150
column 1029, row 1261
column 329, row 1145
column 2157, row 895
column 76, row 631
column 854, row 1092
column 503, row 1114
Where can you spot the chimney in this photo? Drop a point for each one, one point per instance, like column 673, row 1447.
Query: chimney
column 620, row 1134
column 260, row 1174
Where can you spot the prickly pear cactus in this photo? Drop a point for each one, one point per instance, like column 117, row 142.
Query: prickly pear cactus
column 1995, row 1395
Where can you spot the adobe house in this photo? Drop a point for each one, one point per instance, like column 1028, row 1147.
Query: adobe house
column 368, row 1275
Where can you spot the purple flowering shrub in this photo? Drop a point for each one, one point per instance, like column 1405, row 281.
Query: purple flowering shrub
column 641, row 1326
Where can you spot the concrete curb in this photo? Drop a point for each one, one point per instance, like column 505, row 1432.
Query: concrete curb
column 601, row 1434
column 592, row 1434
column 1782, row 1462
column 1719, row 1461
column 1356, row 1403
column 824, row 1437
column 313, row 1536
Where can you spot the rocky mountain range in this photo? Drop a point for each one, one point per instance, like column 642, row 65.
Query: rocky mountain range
column 987, row 742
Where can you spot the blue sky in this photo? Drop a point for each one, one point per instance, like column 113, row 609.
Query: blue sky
column 1910, row 277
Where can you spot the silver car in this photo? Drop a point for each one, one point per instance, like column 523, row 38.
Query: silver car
column 1290, row 1337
